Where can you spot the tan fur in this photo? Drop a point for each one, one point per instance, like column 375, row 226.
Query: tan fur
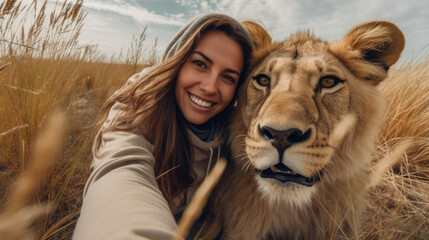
column 250, row 207
column 254, row 29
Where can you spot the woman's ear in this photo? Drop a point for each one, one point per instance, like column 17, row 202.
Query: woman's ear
column 370, row 47
column 260, row 36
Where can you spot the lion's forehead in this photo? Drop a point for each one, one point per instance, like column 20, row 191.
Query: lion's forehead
column 305, row 69
column 304, row 58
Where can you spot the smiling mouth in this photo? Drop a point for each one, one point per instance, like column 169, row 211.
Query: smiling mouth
column 282, row 173
column 200, row 102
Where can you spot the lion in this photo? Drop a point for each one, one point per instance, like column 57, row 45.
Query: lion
column 306, row 123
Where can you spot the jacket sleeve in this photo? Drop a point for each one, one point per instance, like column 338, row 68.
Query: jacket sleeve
column 121, row 197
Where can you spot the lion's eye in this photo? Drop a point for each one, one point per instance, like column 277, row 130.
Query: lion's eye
column 262, row 80
column 329, row 81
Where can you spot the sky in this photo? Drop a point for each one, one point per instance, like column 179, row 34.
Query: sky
column 111, row 24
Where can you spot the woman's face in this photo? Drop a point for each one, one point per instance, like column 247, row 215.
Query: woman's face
column 207, row 81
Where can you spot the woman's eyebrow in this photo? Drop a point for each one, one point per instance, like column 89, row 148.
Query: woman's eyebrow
column 232, row 71
column 204, row 56
column 210, row 61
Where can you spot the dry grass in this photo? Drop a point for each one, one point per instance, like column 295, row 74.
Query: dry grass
column 42, row 67
column 399, row 204
column 17, row 215
column 199, row 200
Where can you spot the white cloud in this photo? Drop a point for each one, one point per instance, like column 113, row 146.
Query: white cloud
column 329, row 19
column 273, row 14
column 135, row 12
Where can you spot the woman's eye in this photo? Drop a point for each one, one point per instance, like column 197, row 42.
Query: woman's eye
column 199, row 64
column 329, row 81
column 262, row 80
column 229, row 78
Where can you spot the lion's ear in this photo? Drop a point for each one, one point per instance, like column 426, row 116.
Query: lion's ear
column 378, row 43
column 260, row 36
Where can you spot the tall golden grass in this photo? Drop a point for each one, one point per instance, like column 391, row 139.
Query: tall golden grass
column 399, row 203
column 42, row 68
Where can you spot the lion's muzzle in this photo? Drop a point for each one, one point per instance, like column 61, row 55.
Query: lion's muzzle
column 283, row 139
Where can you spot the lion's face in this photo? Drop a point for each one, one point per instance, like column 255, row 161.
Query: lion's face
column 291, row 104
column 294, row 98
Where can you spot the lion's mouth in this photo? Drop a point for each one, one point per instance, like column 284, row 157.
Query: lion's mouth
column 282, row 173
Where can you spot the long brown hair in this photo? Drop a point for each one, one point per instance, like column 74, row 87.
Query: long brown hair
column 150, row 109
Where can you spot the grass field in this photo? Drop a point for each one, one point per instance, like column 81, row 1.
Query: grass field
column 44, row 70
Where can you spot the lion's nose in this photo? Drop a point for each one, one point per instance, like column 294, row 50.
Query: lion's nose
column 283, row 139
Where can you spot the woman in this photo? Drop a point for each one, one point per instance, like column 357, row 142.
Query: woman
column 162, row 133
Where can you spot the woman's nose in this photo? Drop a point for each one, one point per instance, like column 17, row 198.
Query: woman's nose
column 209, row 85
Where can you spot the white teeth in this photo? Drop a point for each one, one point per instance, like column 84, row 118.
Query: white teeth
column 274, row 169
column 200, row 102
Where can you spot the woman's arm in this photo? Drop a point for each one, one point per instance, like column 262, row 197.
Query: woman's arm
column 121, row 197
